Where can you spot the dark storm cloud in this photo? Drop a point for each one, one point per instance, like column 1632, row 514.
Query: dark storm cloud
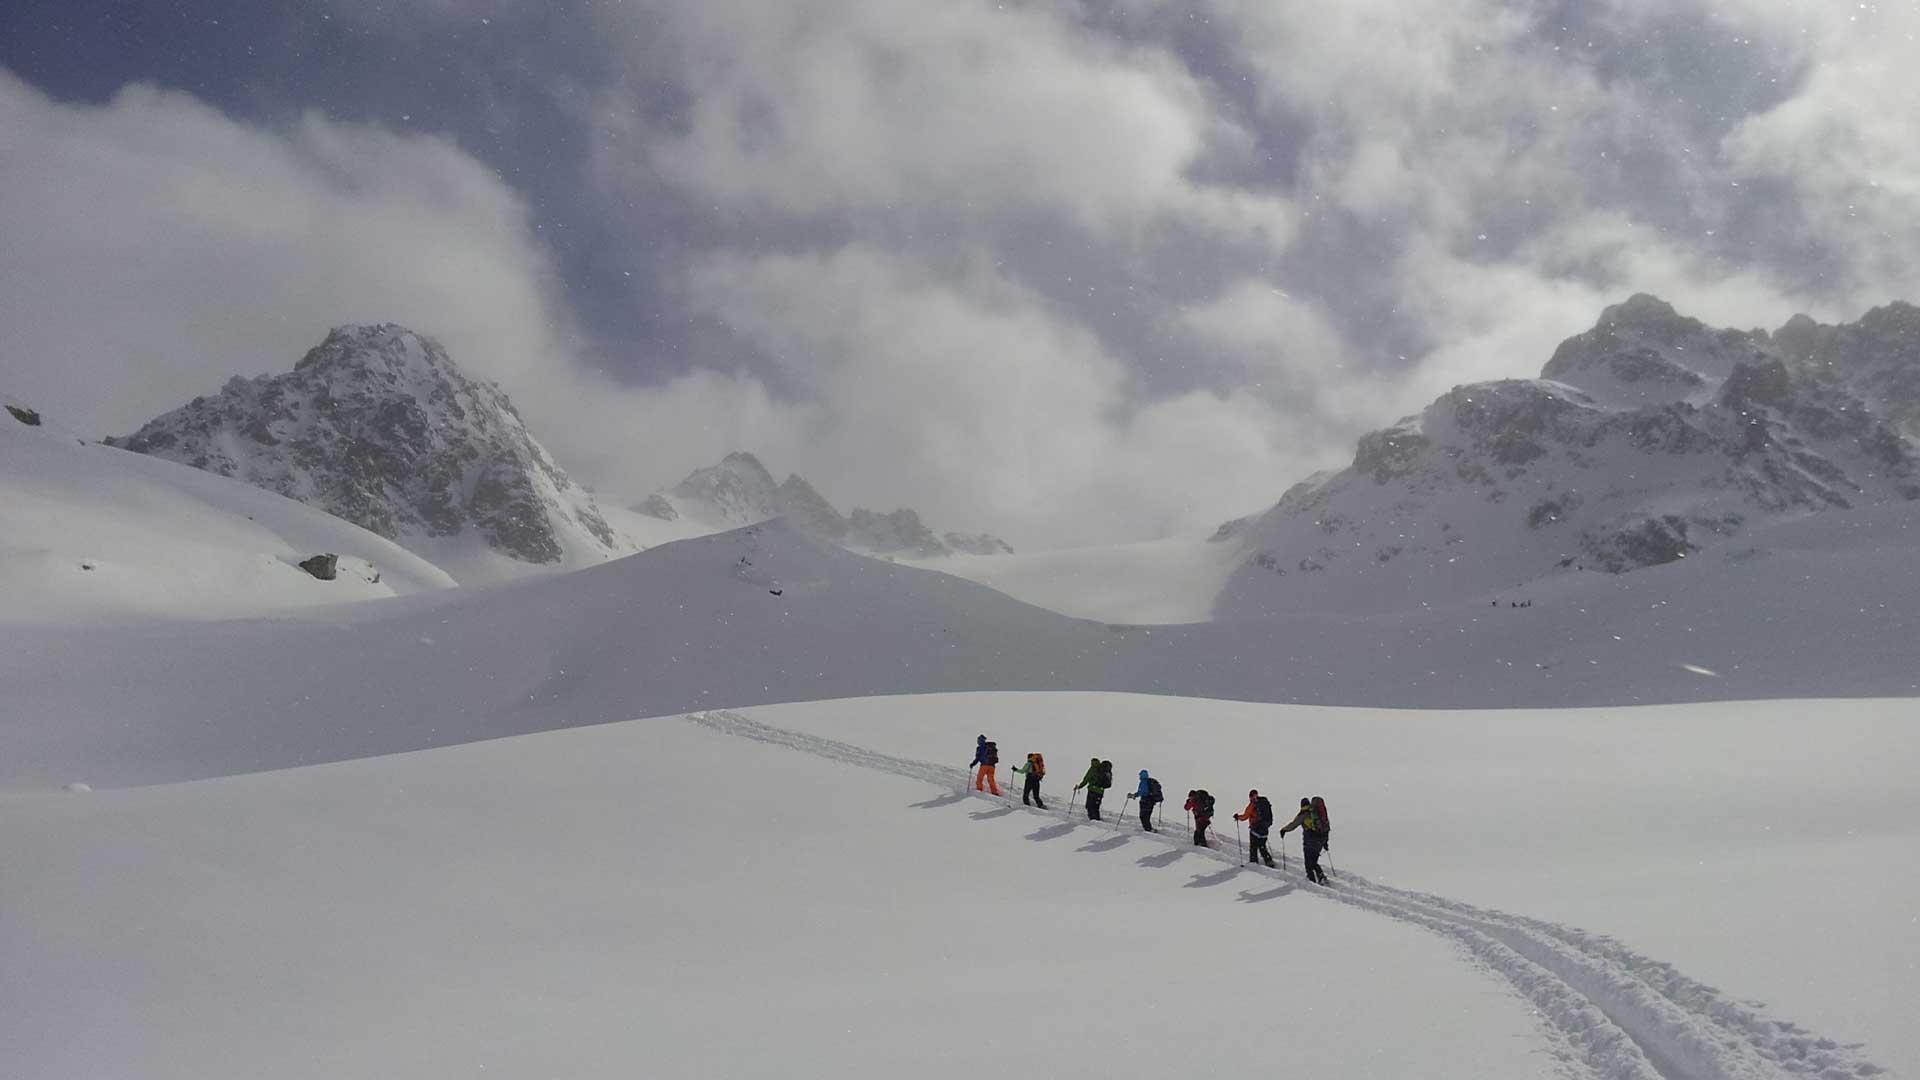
column 1070, row 269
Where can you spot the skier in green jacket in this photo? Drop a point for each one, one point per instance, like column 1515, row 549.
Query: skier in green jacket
column 1098, row 779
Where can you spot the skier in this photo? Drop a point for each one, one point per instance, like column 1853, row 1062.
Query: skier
column 1098, row 779
column 1311, row 839
column 1321, row 819
column 1035, row 768
column 986, row 755
column 1259, row 818
column 1150, row 796
column 1200, row 805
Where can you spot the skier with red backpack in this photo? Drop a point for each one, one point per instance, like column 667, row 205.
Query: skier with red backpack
column 1200, row 805
column 986, row 755
column 1034, row 769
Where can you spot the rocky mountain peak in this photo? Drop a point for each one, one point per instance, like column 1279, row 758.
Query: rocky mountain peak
column 1642, row 351
column 740, row 491
column 379, row 426
column 1651, row 437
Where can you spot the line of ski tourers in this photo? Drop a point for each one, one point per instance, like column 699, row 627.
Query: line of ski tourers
column 1315, row 831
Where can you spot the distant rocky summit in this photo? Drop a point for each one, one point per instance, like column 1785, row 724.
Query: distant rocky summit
column 378, row 426
column 740, row 491
column 1648, row 438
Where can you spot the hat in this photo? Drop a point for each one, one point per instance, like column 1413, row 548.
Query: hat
column 1143, row 774
column 1252, row 794
column 1304, row 802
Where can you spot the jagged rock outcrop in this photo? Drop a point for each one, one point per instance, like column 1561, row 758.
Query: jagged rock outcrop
column 378, row 426
column 740, row 491
column 898, row 533
column 1651, row 437
column 976, row 544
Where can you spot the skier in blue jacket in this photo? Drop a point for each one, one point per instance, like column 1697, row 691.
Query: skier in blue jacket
column 1149, row 796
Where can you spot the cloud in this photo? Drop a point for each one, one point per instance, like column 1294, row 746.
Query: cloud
column 1054, row 269
column 980, row 382
column 820, row 107
column 151, row 247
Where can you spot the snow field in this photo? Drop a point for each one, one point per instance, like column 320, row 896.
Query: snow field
column 1155, row 582
column 656, row 898
column 1760, row 847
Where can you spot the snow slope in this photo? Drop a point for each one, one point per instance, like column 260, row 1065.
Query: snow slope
column 598, row 903
column 91, row 534
column 1825, row 607
column 1156, row 581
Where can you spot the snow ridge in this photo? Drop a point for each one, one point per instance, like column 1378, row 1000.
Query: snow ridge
column 1612, row 1014
column 378, row 426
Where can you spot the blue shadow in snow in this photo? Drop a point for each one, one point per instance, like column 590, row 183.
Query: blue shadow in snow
column 1207, row 881
column 944, row 800
column 1274, row 893
column 1053, row 832
column 1108, row 844
column 1165, row 858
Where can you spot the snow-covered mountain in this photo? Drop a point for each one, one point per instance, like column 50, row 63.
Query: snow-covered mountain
column 740, row 491
column 1648, row 438
column 93, row 535
column 378, row 426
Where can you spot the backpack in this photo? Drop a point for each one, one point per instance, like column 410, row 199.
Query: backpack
column 1321, row 823
column 1036, row 765
column 1153, row 789
column 1105, row 776
column 993, row 754
column 1203, row 802
column 1262, row 813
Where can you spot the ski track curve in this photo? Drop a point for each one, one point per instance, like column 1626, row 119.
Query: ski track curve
column 1610, row 1012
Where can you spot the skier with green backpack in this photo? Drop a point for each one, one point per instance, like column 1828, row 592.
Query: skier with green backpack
column 1312, row 823
column 1098, row 779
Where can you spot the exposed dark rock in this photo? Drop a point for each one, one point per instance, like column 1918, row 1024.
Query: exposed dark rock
column 324, row 567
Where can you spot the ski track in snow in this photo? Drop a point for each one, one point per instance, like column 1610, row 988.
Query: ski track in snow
column 1610, row 1012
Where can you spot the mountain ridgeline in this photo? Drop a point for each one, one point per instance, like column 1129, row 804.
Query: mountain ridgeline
column 1647, row 439
column 740, row 491
column 378, row 426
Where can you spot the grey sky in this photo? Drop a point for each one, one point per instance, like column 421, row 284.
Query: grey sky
column 1067, row 271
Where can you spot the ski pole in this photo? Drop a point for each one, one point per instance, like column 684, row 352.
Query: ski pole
column 1239, row 843
column 1124, row 803
column 1070, row 799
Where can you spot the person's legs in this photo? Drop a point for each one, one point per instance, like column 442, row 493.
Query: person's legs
column 980, row 779
column 1200, row 833
column 1146, row 816
column 1313, row 862
column 993, row 781
column 1093, row 804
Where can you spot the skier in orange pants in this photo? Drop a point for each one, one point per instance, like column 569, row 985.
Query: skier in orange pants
column 986, row 755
